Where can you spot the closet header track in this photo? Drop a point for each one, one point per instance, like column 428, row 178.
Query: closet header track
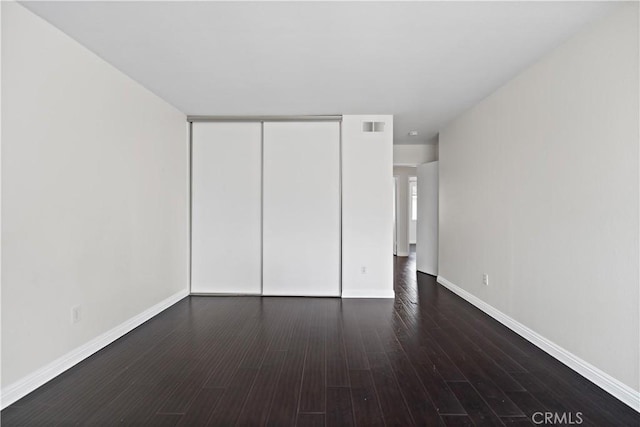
column 322, row 118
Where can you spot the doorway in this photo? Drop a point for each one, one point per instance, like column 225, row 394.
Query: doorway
column 402, row 210
column 413, row 211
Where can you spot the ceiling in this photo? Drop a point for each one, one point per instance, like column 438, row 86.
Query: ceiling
column 423, row 62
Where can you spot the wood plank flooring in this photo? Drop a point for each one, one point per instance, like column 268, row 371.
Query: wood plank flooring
column 425, row 358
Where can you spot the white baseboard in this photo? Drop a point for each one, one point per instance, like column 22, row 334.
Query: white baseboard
column 26, row 385
column 402, row 254
column 611, row 385
column 365, row 293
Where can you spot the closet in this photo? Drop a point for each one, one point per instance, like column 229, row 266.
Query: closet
column 266, row 207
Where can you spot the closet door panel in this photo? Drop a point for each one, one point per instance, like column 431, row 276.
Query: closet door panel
column 226, row 208
column 301, row 209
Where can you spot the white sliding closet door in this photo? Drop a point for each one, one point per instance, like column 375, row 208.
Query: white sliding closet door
column 301, row 209
column 226, row 208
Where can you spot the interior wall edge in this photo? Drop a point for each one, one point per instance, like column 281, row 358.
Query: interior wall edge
column 616, row 388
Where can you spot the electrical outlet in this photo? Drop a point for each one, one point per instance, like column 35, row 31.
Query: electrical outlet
column 363, row 270
column 485, row 279
column 75, row 314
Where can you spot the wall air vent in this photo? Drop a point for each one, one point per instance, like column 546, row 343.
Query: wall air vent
column 372, row 126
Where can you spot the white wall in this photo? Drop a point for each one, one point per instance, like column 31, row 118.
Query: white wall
column 427, row 245
column 94, row 196
column 539, row 189
column 367, row 209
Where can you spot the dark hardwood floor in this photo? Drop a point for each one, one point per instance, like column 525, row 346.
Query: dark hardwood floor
column 425, row 358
